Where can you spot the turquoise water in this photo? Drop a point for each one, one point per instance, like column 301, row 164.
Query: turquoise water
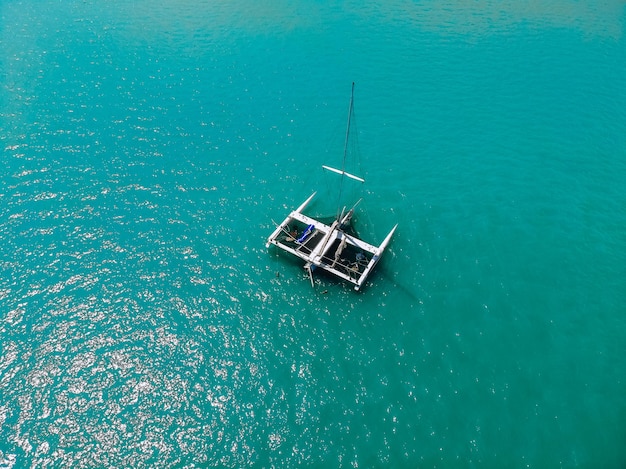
column 147, row 147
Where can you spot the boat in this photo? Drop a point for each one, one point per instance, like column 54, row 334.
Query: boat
column 333, row 247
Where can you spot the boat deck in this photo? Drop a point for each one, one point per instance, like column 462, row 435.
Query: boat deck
column 327, row 246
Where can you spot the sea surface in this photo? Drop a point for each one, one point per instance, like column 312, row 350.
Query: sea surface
column 148, row 147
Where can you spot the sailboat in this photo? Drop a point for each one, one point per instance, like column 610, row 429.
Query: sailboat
column 333, row 248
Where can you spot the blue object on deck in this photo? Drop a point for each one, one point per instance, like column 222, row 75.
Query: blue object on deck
column 306, row 233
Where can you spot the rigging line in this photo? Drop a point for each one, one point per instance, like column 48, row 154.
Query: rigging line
column 356, row 149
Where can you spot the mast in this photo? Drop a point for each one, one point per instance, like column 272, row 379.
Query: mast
column 342, row 171
column 345, row 147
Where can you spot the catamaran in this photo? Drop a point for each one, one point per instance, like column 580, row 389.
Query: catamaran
column 333, row 248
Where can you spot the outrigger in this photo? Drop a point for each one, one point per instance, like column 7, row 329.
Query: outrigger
column 330, row 247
